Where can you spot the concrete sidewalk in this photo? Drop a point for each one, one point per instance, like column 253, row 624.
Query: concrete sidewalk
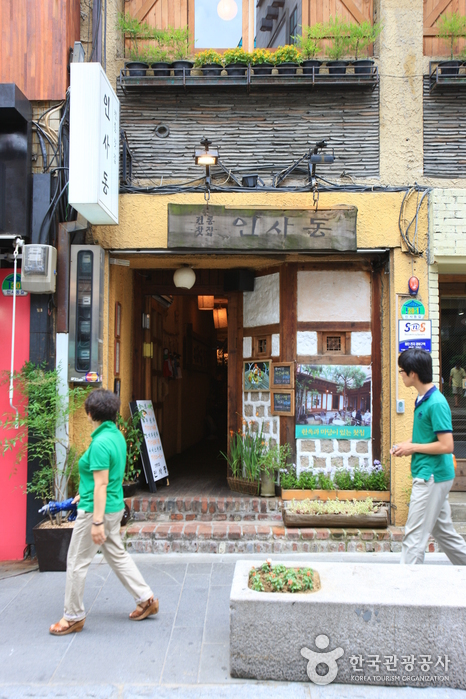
column 182, row 652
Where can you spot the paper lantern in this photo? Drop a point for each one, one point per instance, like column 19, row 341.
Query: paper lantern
column 220, row 318
column 184, row 278
column 206, row 303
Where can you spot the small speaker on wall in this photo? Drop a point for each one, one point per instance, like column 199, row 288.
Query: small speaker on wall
column 238, row 280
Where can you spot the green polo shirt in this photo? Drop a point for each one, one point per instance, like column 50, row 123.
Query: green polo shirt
column 106, row 451
column 432, row 416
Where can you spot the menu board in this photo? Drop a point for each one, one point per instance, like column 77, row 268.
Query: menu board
column 152, row 456
column 281, row 375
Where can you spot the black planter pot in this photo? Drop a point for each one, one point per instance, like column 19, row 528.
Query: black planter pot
column 129, row 489
column 263, row 69
column 212, row 70
column 236, row 69
column 52, row 547
column 311, row 66
column 178, row 68
column 137, row 68
column 337, row 67
column 287, row 68
column 363, row 67
column 449, row 68
column 161, row 69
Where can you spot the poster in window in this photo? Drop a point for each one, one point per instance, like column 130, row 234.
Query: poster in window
column 333, row 402
column 117, row 357
column 257, row 376
column 117, row 319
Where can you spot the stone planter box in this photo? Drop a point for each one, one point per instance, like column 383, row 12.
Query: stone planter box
column 376, row 495
column 377, row 520
column 369, row 610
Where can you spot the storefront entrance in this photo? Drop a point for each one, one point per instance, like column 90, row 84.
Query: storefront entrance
column 453, row 364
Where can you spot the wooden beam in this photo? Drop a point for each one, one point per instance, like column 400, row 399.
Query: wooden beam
column 305, row 20
column 335, row 360
column 376, row 365
column 351, row 7
column 436, row 12
column 235, row 354
column 138, row 339
column 334, row 326
column 430, row 31
column 288, row 324
column 145, row 9
column 261, row 330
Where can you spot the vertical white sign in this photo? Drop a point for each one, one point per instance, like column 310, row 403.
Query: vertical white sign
column 94, row 144
column 152, row 439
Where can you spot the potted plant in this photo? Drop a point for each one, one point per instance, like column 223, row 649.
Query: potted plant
column 236, row 61
column 42, row 434
column 132, row 27
column 287, row 59
column 335, row 513
column 309, row 44
column 451, row 28
column 346, row 484
column 262, row 61
column 272, row 461
column 244, row 460
column 338, row 32
column 159, row 60
column 210, row 62
column 361, row 36
column 132, row 432
column 179, row 42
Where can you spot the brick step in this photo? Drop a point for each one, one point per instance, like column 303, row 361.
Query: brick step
column 161, row 508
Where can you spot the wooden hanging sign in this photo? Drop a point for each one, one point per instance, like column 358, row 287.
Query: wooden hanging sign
column 223, row 228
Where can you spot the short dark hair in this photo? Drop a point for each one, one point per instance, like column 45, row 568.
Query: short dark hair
column 419, row 361
column 102, row 405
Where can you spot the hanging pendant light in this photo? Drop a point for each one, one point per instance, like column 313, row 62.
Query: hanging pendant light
column 220, row 318
column 184, row 278
column 206, row 303
column 227, row 9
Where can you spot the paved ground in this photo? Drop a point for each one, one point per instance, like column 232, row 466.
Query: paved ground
column 182, row 652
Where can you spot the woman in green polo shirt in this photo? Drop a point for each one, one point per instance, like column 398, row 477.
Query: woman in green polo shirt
column 100, row 510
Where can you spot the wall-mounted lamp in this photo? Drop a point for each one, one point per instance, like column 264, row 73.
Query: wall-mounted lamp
column 316, row 158
column 220, row 318
column 206, row 303
column 206, row 156
column 184, row 278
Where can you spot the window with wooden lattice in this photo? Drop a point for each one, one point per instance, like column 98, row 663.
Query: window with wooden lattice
column 333, row 343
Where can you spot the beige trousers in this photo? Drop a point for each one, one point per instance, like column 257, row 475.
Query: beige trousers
column 430, row 513
column 80, row 554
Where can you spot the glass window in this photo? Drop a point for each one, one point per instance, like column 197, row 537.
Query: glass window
column 293, row 25
column 218, row 24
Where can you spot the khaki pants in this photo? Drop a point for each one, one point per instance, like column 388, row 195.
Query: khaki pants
column 430, row 513
column 80, row 554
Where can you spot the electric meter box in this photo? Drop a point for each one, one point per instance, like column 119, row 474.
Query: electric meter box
column 85, row 356
column 39, row 269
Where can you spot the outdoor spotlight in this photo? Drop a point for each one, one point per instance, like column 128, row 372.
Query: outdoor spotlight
column 206, row 156
column 321, row 158
column 184, row 278
column 316, row 158
column 413, row 285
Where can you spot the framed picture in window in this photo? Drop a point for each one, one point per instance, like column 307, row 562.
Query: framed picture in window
column 282, row 375
column 117, row 357
column 282, row 403
column 117, row 319
column 117, row 386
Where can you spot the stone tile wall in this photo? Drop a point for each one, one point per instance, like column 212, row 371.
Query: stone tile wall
column 257, row 411
column 330, row 454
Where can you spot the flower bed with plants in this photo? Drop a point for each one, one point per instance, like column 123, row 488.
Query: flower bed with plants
column 335, row 513
column 345, row 484
column 279, row 578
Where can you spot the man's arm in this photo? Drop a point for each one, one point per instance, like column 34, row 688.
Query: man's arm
column 444, row 445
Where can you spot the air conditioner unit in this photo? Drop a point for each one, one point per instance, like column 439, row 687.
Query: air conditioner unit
column 39, row 269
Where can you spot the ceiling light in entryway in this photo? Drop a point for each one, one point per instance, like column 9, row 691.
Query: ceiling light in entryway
column 206, row 303
column 184, row 278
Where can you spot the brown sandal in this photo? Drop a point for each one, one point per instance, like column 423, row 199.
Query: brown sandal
column 146, row 608
column 73, row 627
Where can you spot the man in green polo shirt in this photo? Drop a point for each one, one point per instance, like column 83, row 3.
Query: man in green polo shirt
column 431, row 449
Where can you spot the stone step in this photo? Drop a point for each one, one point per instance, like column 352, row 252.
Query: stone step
column 458, row 512
column 161, row 508
column 264, row 537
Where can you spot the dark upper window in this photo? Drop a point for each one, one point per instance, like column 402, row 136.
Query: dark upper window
column 293, row 25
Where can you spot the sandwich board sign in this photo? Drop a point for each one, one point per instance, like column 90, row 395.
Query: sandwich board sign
column 152, row 456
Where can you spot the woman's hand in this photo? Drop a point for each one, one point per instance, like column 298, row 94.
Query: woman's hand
column 98, row 534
